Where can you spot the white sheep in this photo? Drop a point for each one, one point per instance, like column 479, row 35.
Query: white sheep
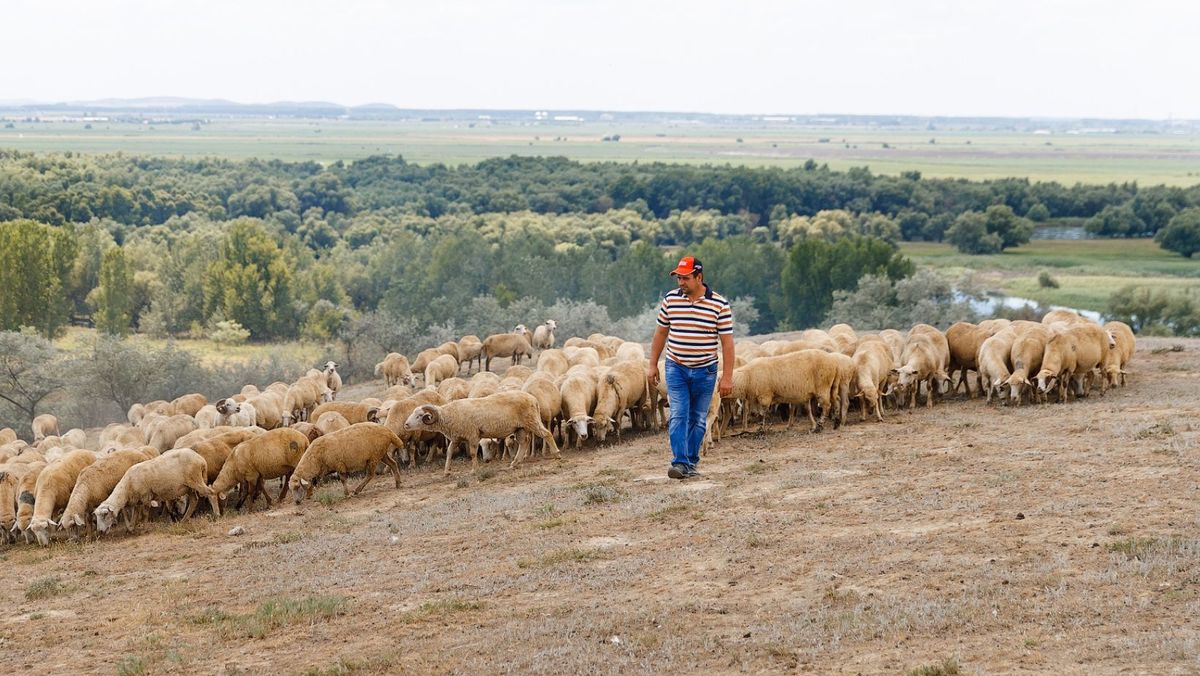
column 175, row 474
column 237, row 413
column 515, row 345
column 543, row 335
column 43, row 426
column 53, row 490
column 333, row 380
column 442, row 367
column 358, row 447
column 95, row 483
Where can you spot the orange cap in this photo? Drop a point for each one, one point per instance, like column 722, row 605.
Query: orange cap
column 688, row 265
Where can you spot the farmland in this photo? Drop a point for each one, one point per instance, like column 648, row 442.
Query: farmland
column 1148, row 158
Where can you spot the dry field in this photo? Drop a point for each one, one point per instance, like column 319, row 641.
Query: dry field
column 965, row 539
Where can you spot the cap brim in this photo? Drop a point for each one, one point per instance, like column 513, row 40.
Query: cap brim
column 683, row 271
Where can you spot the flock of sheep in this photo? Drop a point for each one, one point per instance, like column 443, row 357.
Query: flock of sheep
column 169, row 456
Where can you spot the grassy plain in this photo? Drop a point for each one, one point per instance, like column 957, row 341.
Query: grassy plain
column 1087, row 271
column 1173, row 159
column 208, row 352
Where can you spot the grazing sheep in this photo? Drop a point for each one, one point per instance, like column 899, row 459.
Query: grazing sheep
column 925, row 359
column 123, row 436
column 622, row 387
column 135, row 414
column 442, row 367
column 482, row 387
column 549, row 401
column 553, row 361
column 453, row 388
column 578, row 395
column 361, row 446
column 802, row 377
column 515, row 345
column 355, row 412
column 53, row 490
column 492, row 417
column 1025, row 356
column 1119, row 355
column 845, row 337
column 1070, row 356
column 12, row 449
column 95, row 483
column 268, row 410
column 964, row 339
column 1062, row 315
column 400, row 412
column 307, row 429
column 189, row 404
column 216, row 449
column 175, row 474
column 268, row 456
column 331, row 421
column 630, row 351
column 873, row 365
column 585, row 355
column 821, row 338
column 75, row 438
column 26, row 491
column 994, row 361
column 11, row 478
column 43, row 426
column 543, row 335
column 163, row 432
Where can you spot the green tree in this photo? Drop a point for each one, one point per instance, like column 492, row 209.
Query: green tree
column 816, row 268
column 969, row 234
column 250, row 283
column 1011, row 228
column 34, row 260
column 1116, row 221
column 31, row 370
column 114, row 302
column 1182, row 234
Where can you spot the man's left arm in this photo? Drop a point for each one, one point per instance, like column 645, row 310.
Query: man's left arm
column 725, row 386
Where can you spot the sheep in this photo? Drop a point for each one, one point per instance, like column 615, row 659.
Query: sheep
column 12, row 449
column 1062, row 315
column 622, row 387
column 207, row 417
column 26, row 491
column 470, row 349
column 424, row 357
column 845, row 337
column 395, row 369
column 873, row 364
column 216, row 449
column 398, row 392
column 188, row 404
column 204, row 434
column 493, row 417
column 792, row 378
column 43, row 426
column 11, row 478
column 1025, row 356
column 630, row 351
column 268, row 410
column 399, row 413
column 95, row 483
column 442, row 367
column 53, row 490
column 585, row 355
column 27, row 455
column 521, row 372
column 543, row 335
column 175, row 474
column 482, row 388
column 994, row 361
column 549, row 400
column 577, row 392
column 964, row 339
column 843, row 387
column 454, row 388
column 237, row 413
column 307, row 429
column 268, row 456
column 75, row 438
column 924, row 360
column 333, row 380
column 553, row 361
column 163, row 433
column 822, row 338
column 135, row 414
column 123, row 436
column 358, row 447
column 1070, row 356
column 894, row 340
column 510, row 383
column 355, row 412
column 1117, row 357
column 331, row 421
column 515, row 345
column 994, row 326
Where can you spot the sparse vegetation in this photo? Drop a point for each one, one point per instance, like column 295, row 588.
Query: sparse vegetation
column 562, row 556
column 947, row 667
column 45, row 588
column 271, row 615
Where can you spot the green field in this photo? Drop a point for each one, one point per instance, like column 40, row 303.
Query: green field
column 1087, row 271
column 1173, row 159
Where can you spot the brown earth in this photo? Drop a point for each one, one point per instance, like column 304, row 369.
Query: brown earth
column 1051, row 539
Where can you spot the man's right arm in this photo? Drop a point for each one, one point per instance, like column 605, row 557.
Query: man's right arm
column 656, row 347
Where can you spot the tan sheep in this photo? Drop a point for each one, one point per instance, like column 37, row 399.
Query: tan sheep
column 135, row 414
column 180, row 472
column 925, row 359
column 53, row 490
column 1118, row 357
column 395, row 369
column 453, row 388
column 75, row 438
column 1025, row 357
column 95, row 483
column 481, row 387
column 582, row 355
column 12, row 477
column 400, row 412
column 442, row 367
column 355, row 412
column 44, row 425
column 164, row 432
column 577, row 393
column 549, row 401
column 268, row 410
column 805, row 377
column 621, row 388
column 470, row 350
column 207, row 417
column 1069, row 358
column 333, row 379
column 268, row 456
column 331, row 421
column 189, row 404
column 124, row 436
column 492, row 417
column 361, row 446
column 964, row 339
column 994, row 361
column 553, row 361
column 216, row 449
column 26, row 492
column 873, row 364
column 515, row 345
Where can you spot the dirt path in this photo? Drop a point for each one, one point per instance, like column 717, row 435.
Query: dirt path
column 1058, row 539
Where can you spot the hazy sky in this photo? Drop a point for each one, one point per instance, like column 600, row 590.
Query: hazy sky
column 941, row 57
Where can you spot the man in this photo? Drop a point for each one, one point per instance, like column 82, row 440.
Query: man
column 692, row 321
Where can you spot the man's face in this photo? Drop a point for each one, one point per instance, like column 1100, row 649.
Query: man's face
column 689, row 284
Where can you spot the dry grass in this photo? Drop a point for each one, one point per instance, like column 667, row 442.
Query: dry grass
column 270, row 615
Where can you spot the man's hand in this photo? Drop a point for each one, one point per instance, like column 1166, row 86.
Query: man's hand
column 725, row 386
column 652, row 374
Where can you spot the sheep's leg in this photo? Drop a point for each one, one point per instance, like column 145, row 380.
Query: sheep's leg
column 261, row 487
column 522, row 452
column 283, row 489
column 370, row 475
column 449, row 454
column 472, row 446
column 393, row 466
column 345, row 486
column 192, row 501
column 808, row 407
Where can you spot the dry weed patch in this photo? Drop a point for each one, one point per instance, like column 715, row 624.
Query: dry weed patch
column 564, row 556
column 441, row 608
column 947, row 667
column 45, row 588
column 271, row 615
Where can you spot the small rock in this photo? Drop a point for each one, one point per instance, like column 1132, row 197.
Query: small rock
column 615, row 640
column 1020, row 515
column 237, row 530
column 394, row 540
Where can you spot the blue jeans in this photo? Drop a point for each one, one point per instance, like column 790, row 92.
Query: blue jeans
column 690, row 392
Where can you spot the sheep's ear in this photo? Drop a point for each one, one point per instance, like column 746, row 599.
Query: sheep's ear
column 52, row 522
column 79, row 521
column 591, row 420
column 895, row 372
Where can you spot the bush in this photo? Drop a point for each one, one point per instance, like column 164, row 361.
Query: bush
column 1046, row 281
column 989, row 232
column 1156, row 312
column 228, row 332
column 1182, row 234
column 879, row 303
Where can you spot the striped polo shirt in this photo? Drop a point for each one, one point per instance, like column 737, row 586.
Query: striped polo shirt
column 693, row 327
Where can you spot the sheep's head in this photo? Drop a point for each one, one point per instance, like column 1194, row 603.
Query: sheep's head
column 520, row 329
column 106, row 518
column 943, row 381
column 326, row 394
column 603, row 426
column 422, row 417
column 581, row 423
column 330, row 366
column 287, row 418
column 1046, row 380
column 41, row 530
column 226, row 406
column 905, row 376
column 300, row 488
column 551, row 324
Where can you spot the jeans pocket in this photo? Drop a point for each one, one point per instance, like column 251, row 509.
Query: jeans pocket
column 710, row 370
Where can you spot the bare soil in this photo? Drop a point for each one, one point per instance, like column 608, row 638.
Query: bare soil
column 1052, row 539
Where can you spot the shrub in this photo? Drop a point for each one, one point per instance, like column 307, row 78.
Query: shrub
column 1156, row 312
column 228, row 332
column 1182, row 234
column 926, row 297
column 1046, row 281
